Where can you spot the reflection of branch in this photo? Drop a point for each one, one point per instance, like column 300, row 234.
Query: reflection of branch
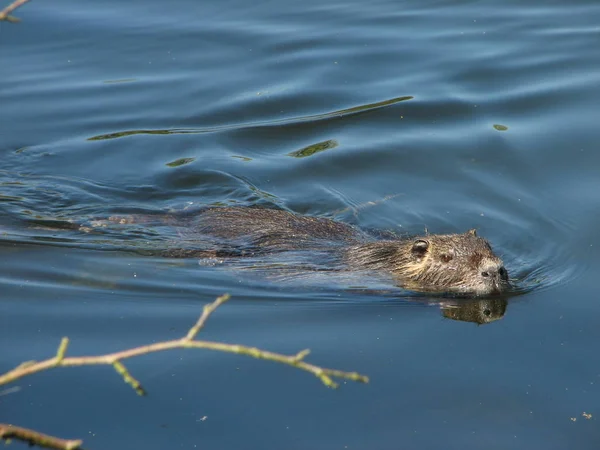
column 188, row 341
column 34, row 438
column 5, row 13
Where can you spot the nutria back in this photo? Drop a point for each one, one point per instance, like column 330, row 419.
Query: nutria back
column 450, row 263
column 273, row 229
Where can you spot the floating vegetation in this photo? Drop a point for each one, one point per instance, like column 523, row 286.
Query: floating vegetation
column 180, row 162
column 315, row 148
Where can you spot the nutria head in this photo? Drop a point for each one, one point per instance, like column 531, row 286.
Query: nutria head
column 456, row 263
column 447, row 263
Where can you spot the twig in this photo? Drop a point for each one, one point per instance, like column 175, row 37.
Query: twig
column 116, row 359
column 11, row 390
column 8, row 432
column 5, row 13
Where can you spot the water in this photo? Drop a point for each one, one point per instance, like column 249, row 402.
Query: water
column 402, row 116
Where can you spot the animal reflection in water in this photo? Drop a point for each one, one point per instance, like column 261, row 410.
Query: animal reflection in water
column 476, row 311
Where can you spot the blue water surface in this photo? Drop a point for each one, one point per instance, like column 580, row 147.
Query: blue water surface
column 393, row 115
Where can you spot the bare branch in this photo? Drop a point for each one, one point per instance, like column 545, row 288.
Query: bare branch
column 115, row 359
column 5, row 13
column 207, row 311
column 62, row 349
column 8, row 432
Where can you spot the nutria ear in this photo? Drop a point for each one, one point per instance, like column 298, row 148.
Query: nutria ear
column 419, row 248
column 472, row 232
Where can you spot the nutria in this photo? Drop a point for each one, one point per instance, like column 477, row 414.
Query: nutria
column 461, row 264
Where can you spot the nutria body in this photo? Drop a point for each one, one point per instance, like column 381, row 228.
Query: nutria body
column 449, row 263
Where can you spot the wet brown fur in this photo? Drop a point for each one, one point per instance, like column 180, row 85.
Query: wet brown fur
column 456, row 263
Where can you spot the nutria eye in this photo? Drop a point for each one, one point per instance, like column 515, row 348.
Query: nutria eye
column 487, row 312
column 420, row 247
column 485, row 274
column 446, row 257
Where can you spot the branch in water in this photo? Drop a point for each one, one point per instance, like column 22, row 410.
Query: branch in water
column 116, row 360
column 5, row 13
column 8, row 432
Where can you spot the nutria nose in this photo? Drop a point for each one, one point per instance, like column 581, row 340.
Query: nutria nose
column 503, row 273
column 495, row 271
